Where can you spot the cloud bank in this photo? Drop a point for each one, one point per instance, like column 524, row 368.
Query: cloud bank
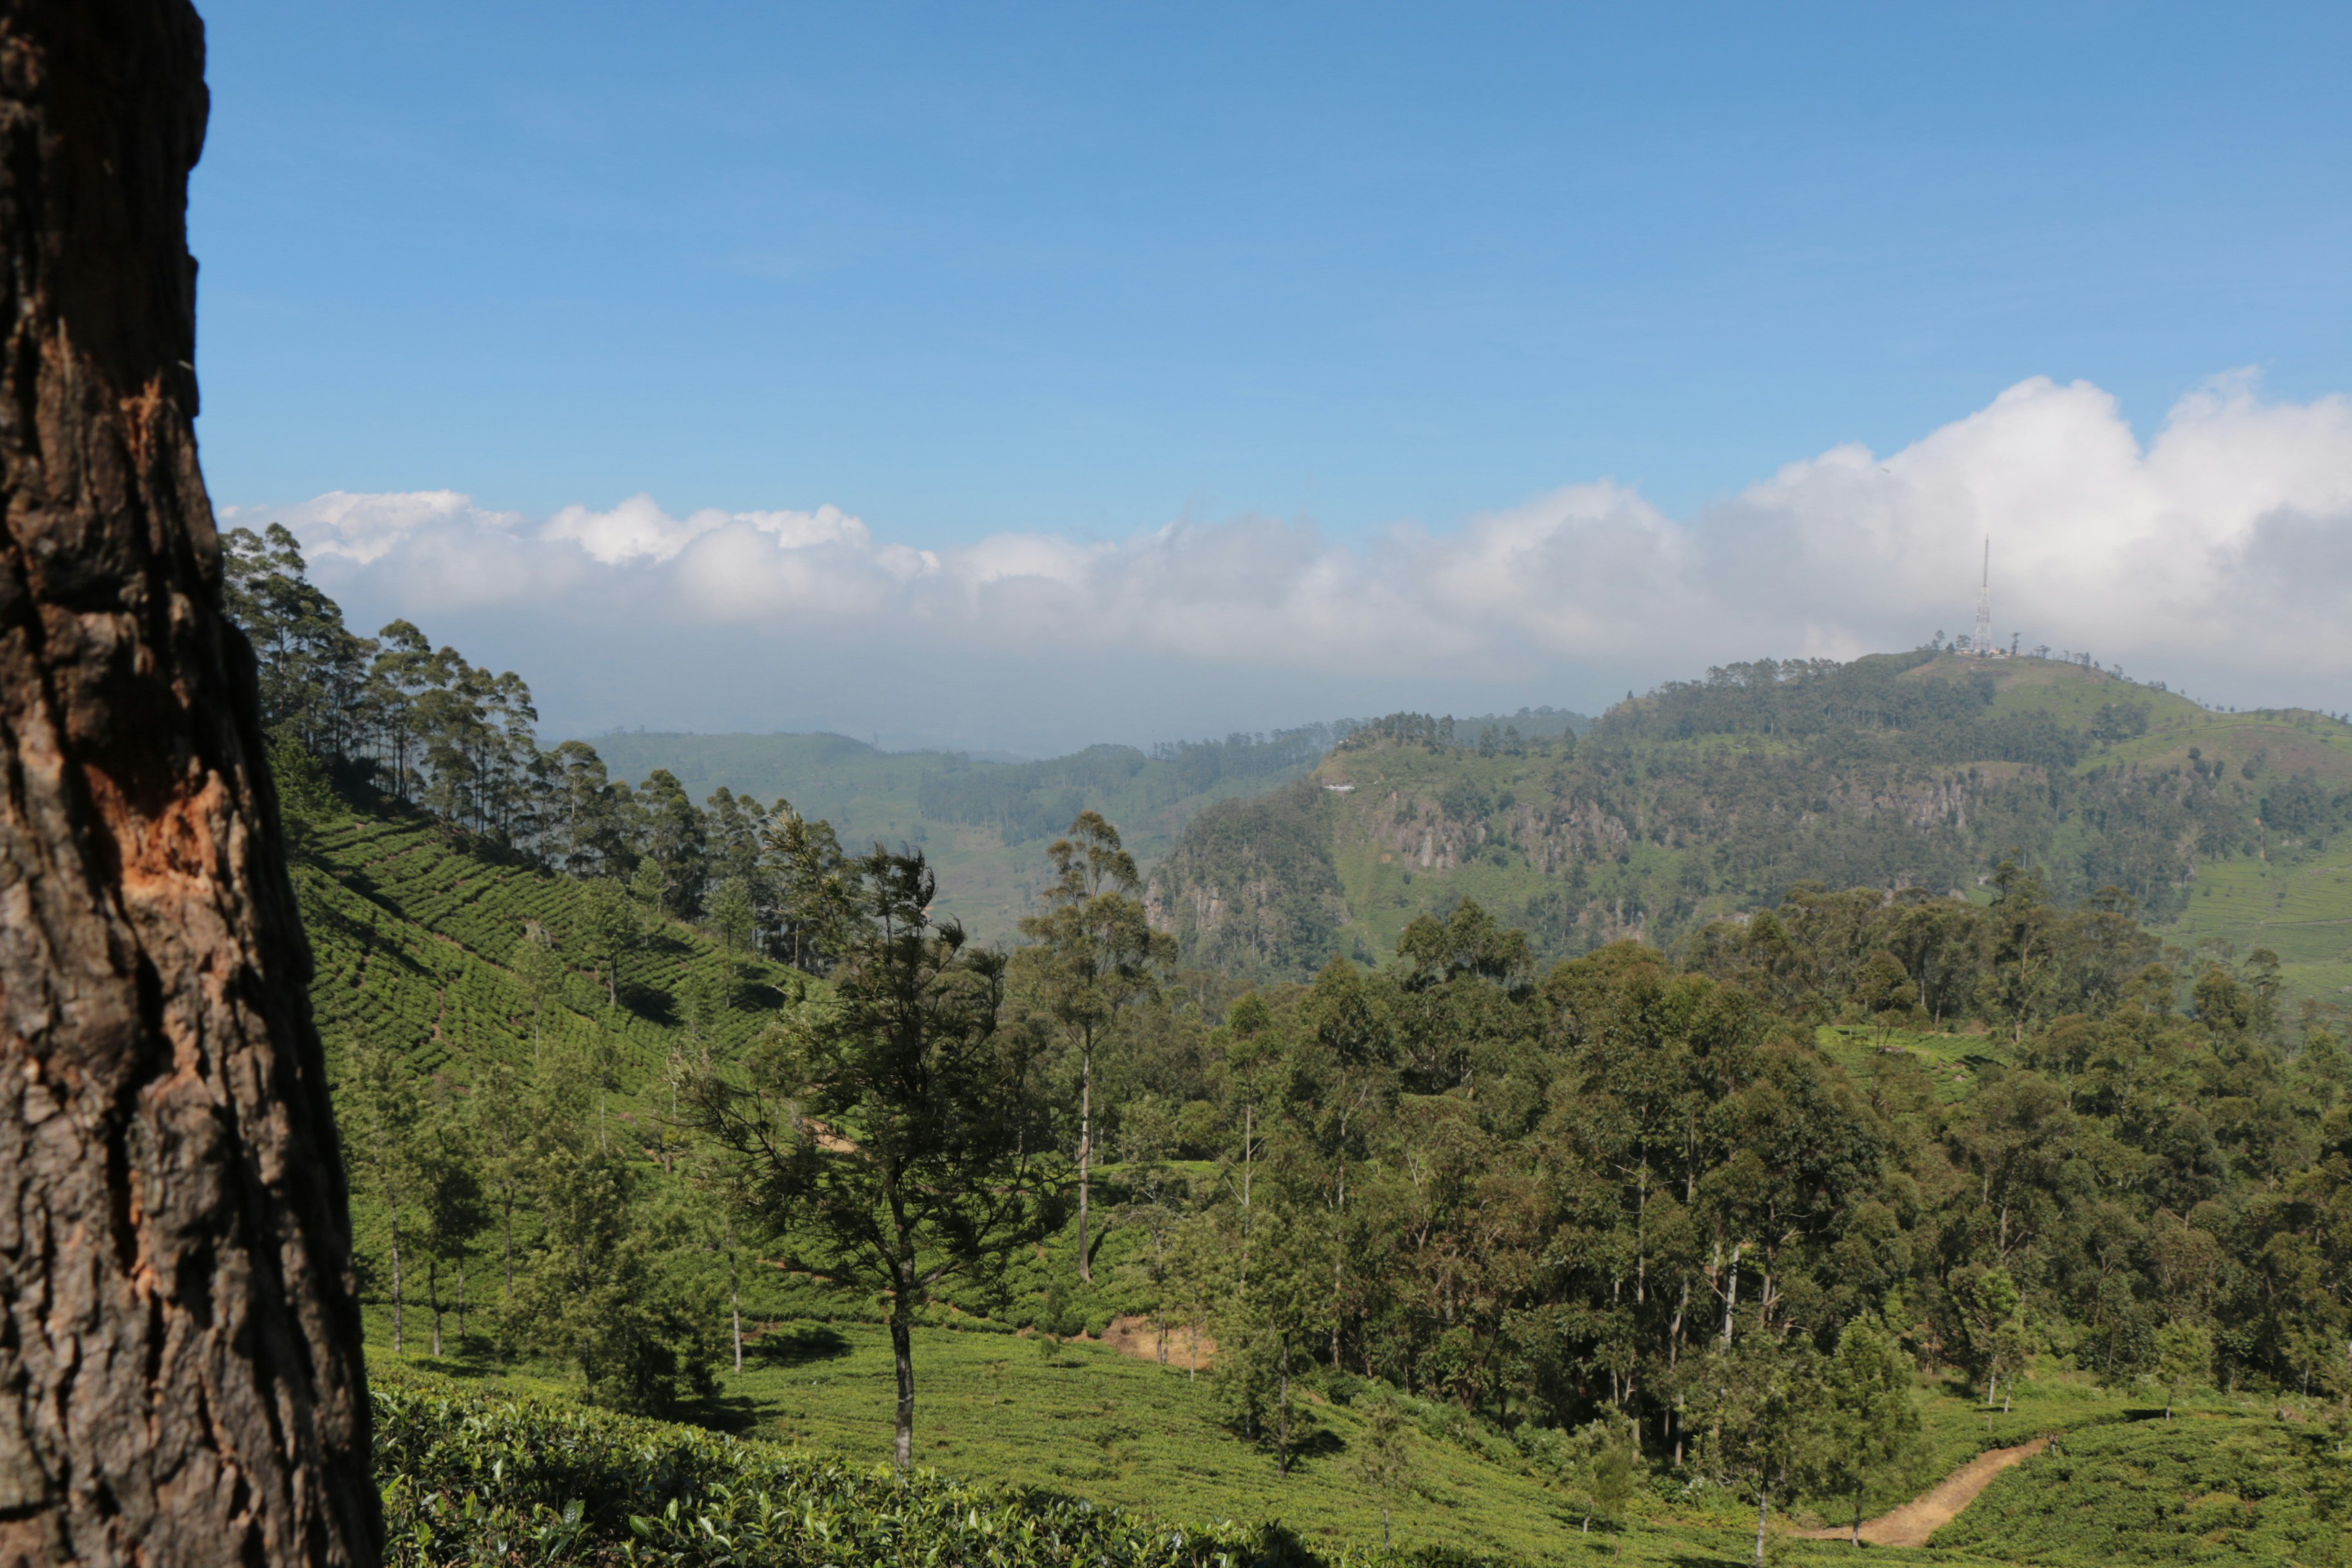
column 2217, row 554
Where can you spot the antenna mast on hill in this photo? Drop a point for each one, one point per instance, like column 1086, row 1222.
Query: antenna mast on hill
column 1983, row 642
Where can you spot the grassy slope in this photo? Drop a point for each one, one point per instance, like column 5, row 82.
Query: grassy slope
column 869, row 794
column 1086, row 1421
column 1947, row 1063
column 2070, row 693
column 410, row 935
column 2303, row 913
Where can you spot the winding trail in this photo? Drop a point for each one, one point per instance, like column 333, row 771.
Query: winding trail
column 1915, row 1521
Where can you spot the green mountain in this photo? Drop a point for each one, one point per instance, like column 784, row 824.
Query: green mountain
column 1714, row 797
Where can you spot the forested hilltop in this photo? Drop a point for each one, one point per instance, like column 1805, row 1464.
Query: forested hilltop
column 695, row 1110
column 1714, row 798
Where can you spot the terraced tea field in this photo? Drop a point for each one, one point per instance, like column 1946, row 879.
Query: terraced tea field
column 413, row 935
column 2303, row 913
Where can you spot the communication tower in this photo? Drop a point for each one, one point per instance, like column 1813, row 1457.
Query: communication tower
column 1982, row 644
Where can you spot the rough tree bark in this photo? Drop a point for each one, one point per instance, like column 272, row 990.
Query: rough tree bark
column 180, row 1374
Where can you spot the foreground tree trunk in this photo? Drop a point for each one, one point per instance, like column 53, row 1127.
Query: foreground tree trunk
column 180, row 1374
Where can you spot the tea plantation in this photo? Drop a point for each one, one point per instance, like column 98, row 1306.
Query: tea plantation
column 1053, row 1452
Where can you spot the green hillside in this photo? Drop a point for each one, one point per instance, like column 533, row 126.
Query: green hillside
column 415, row 931
column 1051, row 1382
column 1710, row 798
column 1932, row 1147
column 2214, row 1486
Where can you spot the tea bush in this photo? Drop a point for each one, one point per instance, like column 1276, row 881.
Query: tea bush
column 470, row 1479
column 2208, row 1489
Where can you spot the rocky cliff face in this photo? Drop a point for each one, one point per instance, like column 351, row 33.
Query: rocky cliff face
column 1549, row 835
column 1252, row 886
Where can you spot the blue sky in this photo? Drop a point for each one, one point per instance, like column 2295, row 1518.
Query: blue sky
column 968, row 271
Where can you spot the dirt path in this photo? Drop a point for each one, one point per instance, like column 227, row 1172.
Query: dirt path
column 1911, row 1524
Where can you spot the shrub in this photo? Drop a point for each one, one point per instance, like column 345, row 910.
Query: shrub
column 470, row 1478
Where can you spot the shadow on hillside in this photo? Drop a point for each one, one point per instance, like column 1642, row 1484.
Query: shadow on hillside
column 1319, row 1444
column 755, row 997
column 796, row 1346
column 655, row 1007
column 328, row 918
column 461, row 1365
column 733, row 1413
column 355, row 879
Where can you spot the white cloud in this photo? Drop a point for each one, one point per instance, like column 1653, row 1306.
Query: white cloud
column 2152, row 555
column 2220, row 551
column 636, row 530
column 363, row 529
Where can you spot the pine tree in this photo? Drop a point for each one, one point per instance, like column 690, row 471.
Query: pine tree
column 445, row 1165
column 610, row 928
column 540, row 975
column 732, row 914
